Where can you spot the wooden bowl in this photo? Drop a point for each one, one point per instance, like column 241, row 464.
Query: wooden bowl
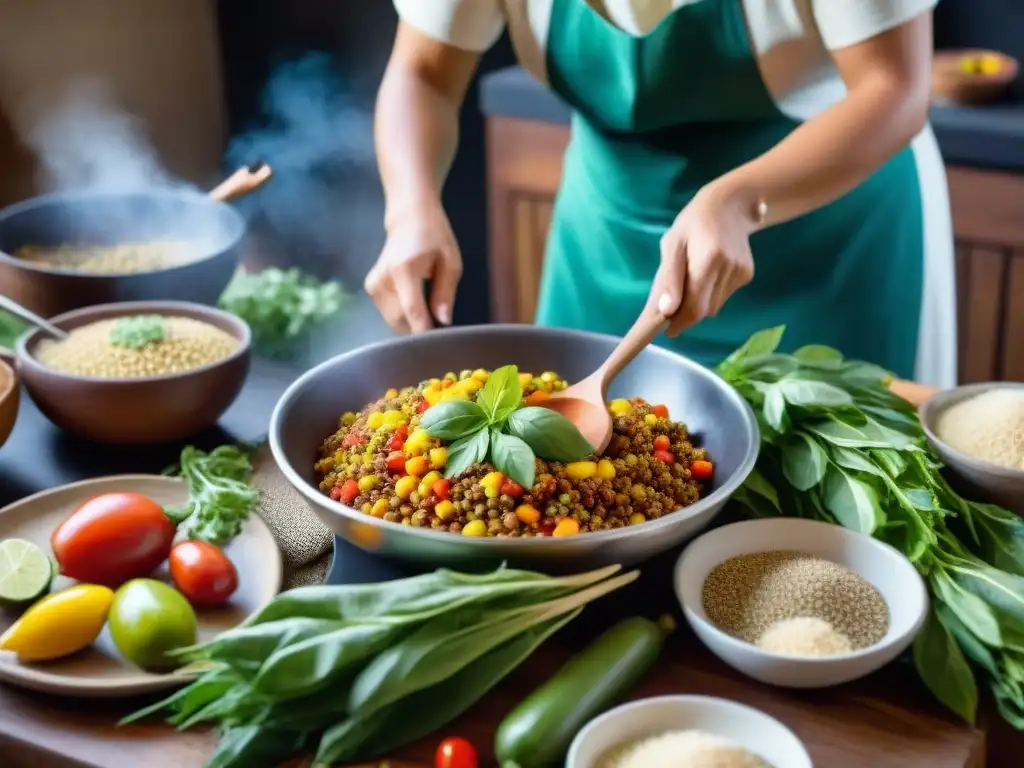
column 140, row 411
column 972, row 76
column 10, row 396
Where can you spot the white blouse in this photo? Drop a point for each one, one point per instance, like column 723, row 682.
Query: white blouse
column 790, row 38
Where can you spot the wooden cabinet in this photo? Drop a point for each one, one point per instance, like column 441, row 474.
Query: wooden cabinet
column 525, row 166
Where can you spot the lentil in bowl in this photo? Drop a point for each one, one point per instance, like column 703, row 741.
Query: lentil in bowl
column 382, row 462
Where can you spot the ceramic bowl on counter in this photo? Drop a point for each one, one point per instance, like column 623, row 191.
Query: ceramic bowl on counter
column 714, row 413
column 744, row 726
column 144, row 410
column 978, row 479
column 10, row 395
column 895, row 578
column 972, row 76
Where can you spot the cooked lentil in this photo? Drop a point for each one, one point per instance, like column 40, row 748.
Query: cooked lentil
column 120, row 259
column 745, row 595
column 381, row 463
column 187, row 344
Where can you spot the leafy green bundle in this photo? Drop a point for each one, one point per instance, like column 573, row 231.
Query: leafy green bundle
column 11, row 328
column 137, row 332
column 838, row 446
column 496, row 426
column 355, row 671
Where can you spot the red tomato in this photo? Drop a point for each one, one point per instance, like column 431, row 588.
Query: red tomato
column 422, row 406
column 512, row 488
column 661, row 411
column 202, row 572
column 701, row 470
column 397, row 439
column 455, row 753
column 662, row 443
column 442, row 488
column 396, row 463
column 113, row 538
column 665, row 456
column 349, row 491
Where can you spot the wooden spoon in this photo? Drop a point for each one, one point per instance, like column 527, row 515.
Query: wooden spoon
column 31, row 317
column 243, row 181
column 584, row 404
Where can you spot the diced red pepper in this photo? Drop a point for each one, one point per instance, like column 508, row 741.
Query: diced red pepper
column 352, row 439
column 661, row 411
column 422, row 406
column 396, row 463
column 349, row 491
column 701, row 470
column 512, row 488
column 664, row 456
column 547, row 526
column 662, row 443
column 397, row 439
column 441, row 488
column 335, row 493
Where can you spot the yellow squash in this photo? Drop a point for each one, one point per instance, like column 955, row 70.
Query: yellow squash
column 59, row 624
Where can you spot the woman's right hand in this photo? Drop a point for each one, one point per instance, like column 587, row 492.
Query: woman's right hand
column 420, row 246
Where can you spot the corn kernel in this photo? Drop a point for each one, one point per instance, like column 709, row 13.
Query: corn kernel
column 432, row 477
column 365, row 508
column 438, row 457
column 432, row 396
column 491, row 492
column 394, row 418
column 417, row 466
column 492, row 480
column 620, row 406
column 525, row 379
column 566, row 527
column 650, row 419
column 375, row 420
column 444, row 510
column 469, row 386
column 391, row 394
column 475, row 528
column 379, row 508
column 549, row 376
column 416, row 443
column 527, row 514
column 636, row 518
column 581, row 470
column 368, row 482
column 605, row 469
column 405, row 486
column 480, row 374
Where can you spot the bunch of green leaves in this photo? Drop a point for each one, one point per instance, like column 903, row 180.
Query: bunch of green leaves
column 496, row 427
column 838, row 446
column 11, row 328
column 355, row 671
column 221, row 496
column 281, row 306
column 137, row 331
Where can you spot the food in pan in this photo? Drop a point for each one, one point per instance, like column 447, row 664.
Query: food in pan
column 475, row 454
column 119, row 259
column 137, row 347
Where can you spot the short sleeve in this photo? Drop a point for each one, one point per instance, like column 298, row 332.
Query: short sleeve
column 848, row 22
column 473, row 25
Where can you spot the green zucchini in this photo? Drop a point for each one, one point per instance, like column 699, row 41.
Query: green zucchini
column 538, row 732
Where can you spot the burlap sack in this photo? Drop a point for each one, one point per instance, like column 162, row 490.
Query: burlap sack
column 306, row 544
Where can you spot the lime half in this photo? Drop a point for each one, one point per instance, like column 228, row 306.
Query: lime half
column 25, row 571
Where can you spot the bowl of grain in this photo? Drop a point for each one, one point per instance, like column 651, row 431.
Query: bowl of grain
column 800, row 603
column 9, row 396
column 686, row 732
column 978, row 431
column 136, row 373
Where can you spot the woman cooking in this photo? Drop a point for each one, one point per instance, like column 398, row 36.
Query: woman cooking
column 736, row 163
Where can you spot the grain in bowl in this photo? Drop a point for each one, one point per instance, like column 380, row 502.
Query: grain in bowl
column 475, row 454
column 137, row 346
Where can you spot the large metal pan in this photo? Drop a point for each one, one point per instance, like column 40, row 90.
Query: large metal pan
column 216, row 228
column 309, row 411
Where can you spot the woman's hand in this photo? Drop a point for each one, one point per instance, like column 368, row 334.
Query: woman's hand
column 705, row 258
column 420, row 247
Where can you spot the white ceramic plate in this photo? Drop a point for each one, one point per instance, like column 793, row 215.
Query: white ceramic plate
column 100, row 671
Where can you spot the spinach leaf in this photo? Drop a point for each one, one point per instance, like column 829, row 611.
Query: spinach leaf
column 819, row 355
column 775, row 408
column 758, row 484
column 853, row 502
column 943, row 668
column 803, row 461
column 511, row 455
column 453, row 419
column 467, row 451
column 761, row 343
column 500, row 395
column 550, row 435
column 806, row 392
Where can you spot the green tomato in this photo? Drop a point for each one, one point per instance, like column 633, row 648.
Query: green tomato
column 147, row 619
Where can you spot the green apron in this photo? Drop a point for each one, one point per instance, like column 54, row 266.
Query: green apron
column 659, row 116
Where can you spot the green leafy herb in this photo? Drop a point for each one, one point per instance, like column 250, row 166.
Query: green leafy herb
column 281, row 306
column 499, row 427
column 11, row 328
column 839, row 446
column 355, row 671
column 220, row 494
column 137, row 332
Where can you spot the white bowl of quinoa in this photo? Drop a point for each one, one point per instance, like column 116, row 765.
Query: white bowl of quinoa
column 800, row 603
column 137, row 373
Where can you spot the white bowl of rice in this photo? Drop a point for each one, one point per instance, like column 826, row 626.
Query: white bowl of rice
column 686, row 732
column 809, row 604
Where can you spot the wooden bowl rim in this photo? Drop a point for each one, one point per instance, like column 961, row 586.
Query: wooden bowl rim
column 8, row 378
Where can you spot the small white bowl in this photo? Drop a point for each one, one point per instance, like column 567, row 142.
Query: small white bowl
column 890, row 572
column 765, row 736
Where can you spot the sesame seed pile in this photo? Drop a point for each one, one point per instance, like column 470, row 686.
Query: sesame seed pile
column 87, row 351
column 746, row 596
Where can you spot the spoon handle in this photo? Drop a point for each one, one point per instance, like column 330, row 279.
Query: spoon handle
column 243, row 181
column 30, row 317
column 646, row 328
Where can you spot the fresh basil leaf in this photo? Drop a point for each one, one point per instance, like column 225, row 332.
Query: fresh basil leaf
column 509, row 454
column 453, row 419
column 850, row 458
column 866, row 374
column 550, row 435
column 1003, row 592
column 853, row 502
column 775, row 408
column 875, row 431
column 501, row 394
column 944, row 670
column 920, row 498
column 803, row 461
column 466, row 451
column 808, row 392
column 890, row 461
column 761, row 343
column 819, row 355
column 843, row 435
column 758, row 484
column 975, row 650
column 975, row 613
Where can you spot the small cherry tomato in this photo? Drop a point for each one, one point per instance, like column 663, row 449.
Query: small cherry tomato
column 397, row 439
column 512, row 488
column 202, row 572
column 442, row 488
column 701, row 470
column 661, row 411
column 349, row 491
column 455, row 753
column 664, row 456
column 662, row 443
column 396, row 463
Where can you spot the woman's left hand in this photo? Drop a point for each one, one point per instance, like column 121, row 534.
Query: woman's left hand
column 705, row 258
